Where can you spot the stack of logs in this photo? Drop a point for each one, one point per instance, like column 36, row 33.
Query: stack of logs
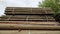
column 25, row 18
column 28, row 14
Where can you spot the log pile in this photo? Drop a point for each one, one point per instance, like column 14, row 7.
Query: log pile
column 24, row 10
column 28, row 19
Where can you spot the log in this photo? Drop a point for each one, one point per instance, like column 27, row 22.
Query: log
column 27, row 9
column 15, row 19
column 27, row 27
column 29, row 22
column 29, row 16
column 24, row 12
column 28, row 32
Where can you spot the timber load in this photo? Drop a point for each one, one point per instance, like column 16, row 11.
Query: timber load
column 24, row 10
column 39, row 18
column 28, row 19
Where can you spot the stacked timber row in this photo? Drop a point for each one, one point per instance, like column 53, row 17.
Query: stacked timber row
column 28, row 19
column 40, row 18
column 26, row 10
column 27, row 14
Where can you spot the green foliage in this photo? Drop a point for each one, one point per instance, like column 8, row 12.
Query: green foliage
column 53, row 4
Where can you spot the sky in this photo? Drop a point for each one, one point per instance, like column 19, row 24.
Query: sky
column 17, row 3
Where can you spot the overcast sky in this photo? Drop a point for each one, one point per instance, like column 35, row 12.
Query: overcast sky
column 17, row 3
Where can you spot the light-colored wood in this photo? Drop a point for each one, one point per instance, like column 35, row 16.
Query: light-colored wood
column 44, row 32
column 28, row 32
column 29, row 22
column 27, row 26
column 9, row 32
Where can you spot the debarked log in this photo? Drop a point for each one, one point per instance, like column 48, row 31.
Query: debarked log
column 28, row 22
column 27, row 27
column 26, row 13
